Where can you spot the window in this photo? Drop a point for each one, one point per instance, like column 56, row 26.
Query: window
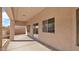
column 45, row 25
column 28, row 28
column 35, row 28
column 49, row 25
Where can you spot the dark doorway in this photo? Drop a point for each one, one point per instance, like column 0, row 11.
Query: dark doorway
column 35, row 30
column 77, row 21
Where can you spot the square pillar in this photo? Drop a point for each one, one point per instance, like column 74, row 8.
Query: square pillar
column 12, row 29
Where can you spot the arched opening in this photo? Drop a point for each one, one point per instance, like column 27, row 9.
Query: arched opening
column 5, row 24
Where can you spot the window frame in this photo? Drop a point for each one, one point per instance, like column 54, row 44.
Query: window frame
column 47, row 22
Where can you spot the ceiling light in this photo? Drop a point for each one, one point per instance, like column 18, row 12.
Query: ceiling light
column 24, row 15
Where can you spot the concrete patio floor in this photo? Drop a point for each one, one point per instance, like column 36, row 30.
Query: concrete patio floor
column 26, row 45
column 22, row 37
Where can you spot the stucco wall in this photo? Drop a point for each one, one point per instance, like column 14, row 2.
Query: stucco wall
column 65, row 33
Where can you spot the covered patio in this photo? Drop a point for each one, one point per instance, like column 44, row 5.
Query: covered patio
column 41, row 28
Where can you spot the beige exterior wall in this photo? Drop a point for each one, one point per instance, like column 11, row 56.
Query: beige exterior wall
column 19, row 30
column 0, row 28
column 64, row 37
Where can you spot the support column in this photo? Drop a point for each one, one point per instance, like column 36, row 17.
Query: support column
column 12, row 29
column 0, row 28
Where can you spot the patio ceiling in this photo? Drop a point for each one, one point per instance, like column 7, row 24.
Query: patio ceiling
column 25, row 13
